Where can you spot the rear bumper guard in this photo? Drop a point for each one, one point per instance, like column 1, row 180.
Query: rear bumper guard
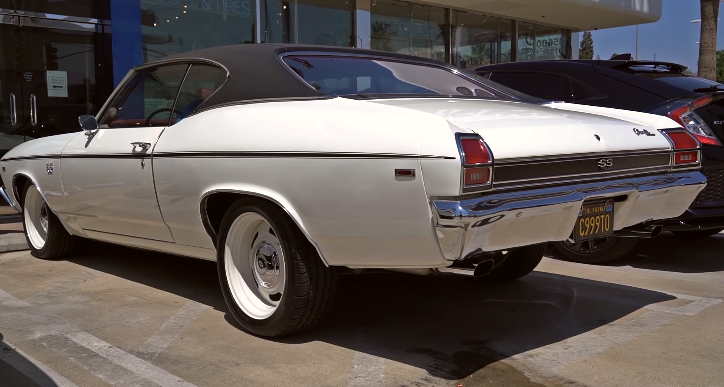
column 513, row 219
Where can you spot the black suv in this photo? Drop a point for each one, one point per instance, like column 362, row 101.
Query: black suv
column 646, row 86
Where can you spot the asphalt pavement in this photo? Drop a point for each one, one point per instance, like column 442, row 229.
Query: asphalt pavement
column 112, row 316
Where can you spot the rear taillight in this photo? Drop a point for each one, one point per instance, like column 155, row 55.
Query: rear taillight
column 477, row 163
column 686, row 147
column 691, row 121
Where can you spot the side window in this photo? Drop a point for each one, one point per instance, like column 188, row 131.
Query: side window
column 541, row 85
column 584, row 92
column 201, row 81
column 146, row 99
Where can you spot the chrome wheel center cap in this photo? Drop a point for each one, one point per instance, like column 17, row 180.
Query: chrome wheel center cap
column 44, row 217
column 266, row 265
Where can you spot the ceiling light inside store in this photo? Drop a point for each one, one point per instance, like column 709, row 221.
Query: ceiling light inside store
column 176, row 17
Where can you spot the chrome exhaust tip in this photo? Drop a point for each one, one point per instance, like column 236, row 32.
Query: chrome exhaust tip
column 650, row 231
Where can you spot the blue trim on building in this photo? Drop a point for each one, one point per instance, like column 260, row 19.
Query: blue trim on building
column 126, row 37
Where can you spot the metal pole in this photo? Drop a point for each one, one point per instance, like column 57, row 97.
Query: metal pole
column 637, row 42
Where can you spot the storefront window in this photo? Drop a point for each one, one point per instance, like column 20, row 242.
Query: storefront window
column 175, row 26
column 324, row 22
column 480, row 39
column 407, row 28
column 91, row 9
column 537, row 42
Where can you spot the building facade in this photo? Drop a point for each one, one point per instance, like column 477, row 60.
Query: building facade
column 62, row 58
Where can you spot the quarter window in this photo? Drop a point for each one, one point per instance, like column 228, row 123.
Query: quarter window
column 201, row 81
column 146, row 100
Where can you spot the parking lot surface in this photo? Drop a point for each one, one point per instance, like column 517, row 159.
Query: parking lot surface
column 112, row 316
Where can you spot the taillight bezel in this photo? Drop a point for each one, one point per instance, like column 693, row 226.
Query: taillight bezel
column 464, row 189
column 690, row 108
column 675, row 151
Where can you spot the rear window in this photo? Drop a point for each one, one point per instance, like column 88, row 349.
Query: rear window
column 672, row 75
column 339, row 75
column 681, row 81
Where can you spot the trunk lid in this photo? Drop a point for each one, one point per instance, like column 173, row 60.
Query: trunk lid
column 516, row 130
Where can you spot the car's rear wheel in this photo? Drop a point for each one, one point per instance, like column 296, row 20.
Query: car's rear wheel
column 697, row 234
column 597, row 250
column 46, row 236
column 517, row 263
column 272, row 278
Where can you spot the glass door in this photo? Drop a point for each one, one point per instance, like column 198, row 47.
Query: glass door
column 11, row 86
column 51, row 72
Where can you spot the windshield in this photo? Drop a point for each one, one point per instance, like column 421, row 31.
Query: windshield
column 374, row 77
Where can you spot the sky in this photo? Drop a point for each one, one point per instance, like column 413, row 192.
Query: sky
column 672, row 39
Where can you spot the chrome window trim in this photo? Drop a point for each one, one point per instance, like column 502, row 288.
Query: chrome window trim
column 440, row 65
column 164, row 62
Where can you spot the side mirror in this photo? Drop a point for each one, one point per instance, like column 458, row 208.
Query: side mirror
column 88, row 122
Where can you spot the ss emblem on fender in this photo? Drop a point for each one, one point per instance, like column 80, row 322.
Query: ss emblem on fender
column 49, row 167
column 605, row 164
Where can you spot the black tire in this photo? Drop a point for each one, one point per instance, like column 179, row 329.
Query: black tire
column 698, row 234
column 611, row 249
column 310, row 285
column 519, row 263
column 58, row 242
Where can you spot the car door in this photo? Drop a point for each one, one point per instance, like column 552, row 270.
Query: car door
column 107, row 174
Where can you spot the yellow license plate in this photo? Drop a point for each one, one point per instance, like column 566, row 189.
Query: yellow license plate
column 594, row 221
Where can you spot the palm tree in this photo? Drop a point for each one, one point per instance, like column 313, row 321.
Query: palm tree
column 707, row 40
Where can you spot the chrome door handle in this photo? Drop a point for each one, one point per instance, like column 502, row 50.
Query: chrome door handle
column 33, row 110
column 143, row 145
column 13, row 110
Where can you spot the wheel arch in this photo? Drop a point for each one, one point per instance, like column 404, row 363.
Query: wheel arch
column 215, row 202
column 19, row 181
column 18, row 184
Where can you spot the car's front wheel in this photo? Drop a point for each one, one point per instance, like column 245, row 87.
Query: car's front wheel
column 46, row 236
column 272, row 278
column 597, row 250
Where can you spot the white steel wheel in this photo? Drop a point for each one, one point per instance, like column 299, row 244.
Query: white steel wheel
column 35, row 214
column 254, row 262
column 272, row 278
column 46, row 236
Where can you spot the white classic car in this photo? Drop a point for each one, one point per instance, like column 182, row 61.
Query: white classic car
column 286, row 164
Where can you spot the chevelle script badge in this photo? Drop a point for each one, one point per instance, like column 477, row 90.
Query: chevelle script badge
column 642, row 131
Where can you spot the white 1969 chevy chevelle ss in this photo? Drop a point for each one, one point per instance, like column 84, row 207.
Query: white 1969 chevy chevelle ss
column 287, row 164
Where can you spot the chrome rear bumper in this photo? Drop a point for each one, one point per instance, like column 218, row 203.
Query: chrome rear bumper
column 7, row 199
column 501, row 221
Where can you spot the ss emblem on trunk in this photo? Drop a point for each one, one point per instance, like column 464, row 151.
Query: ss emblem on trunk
column 605, row 164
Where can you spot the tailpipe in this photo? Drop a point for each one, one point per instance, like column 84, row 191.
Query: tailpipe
column 649, row 231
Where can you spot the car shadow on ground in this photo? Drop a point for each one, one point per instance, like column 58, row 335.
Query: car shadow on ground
column 449, row 326
column 18, row 371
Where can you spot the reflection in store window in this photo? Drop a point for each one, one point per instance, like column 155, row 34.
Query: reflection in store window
column 174, row 26
column 323, row 22
column 480, row 39
column 537, row 42
column 407, row 28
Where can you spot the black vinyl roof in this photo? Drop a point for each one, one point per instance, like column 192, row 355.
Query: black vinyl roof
column 256, row 71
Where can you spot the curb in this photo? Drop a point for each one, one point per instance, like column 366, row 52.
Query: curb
column 13, row 242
